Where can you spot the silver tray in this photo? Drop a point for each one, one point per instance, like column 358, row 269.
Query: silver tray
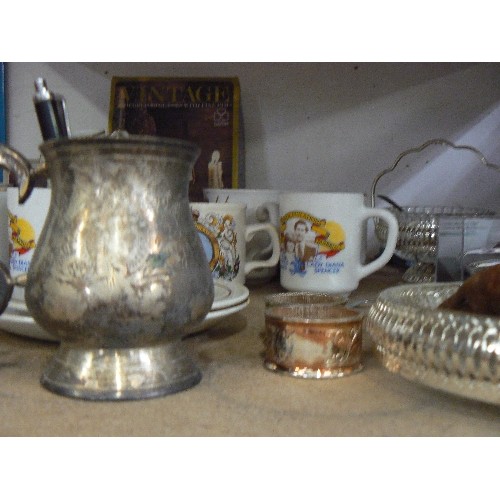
column 451, row 351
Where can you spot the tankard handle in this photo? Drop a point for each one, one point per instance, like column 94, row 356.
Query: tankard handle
column 22, row 170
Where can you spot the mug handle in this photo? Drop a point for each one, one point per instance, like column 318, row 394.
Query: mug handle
column 268, row 212
column 275, row 242
column 390, row 245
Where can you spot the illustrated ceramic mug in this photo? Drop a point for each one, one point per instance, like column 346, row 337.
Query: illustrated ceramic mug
column 4, row 226
column 322, row 237
column 224, row 232
column 261, row 206
column 25, row 224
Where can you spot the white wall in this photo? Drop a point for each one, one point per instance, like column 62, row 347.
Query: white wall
column 317, row 126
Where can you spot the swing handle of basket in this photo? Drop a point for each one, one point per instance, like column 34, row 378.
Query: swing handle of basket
column 420, row 148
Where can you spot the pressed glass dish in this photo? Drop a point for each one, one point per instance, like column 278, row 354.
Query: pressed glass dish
column 447, row 350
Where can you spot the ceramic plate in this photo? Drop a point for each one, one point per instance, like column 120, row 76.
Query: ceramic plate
column 228, row 294
column 23, row 324
column 229, row 298
column 214, row 317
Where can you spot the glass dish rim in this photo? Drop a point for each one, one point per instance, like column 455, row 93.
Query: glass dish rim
column 394, row 296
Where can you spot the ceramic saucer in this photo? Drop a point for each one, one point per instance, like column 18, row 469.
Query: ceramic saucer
column 229, row 298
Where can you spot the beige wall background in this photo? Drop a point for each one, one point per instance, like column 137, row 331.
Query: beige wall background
column 317, row 126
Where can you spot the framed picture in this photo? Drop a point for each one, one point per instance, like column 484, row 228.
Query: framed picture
column 201, row 110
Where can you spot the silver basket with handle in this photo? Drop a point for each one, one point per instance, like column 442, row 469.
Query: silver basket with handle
column 419, row 225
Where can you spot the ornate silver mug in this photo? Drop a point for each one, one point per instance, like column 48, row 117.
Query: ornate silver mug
column 119, row 271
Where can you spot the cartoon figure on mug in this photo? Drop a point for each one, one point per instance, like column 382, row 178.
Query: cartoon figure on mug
column 227, row 243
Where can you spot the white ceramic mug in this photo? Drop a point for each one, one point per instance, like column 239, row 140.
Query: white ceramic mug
column 322, row 238
column 261, row 206
column 224, row 232
column 25, row 223
column 4, row 227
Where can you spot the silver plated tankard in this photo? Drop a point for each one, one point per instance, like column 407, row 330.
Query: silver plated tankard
column 119, row 271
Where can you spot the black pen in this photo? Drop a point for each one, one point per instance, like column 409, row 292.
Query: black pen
column 51, row 112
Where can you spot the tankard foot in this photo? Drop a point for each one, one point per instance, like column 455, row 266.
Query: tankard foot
column 120, row 374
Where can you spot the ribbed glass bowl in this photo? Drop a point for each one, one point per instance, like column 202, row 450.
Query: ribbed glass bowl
column 452, row 351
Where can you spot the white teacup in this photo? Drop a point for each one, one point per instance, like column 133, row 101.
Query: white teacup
column 322, row 239
column 25, row 223
column 261, row 206
column 224, row 232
